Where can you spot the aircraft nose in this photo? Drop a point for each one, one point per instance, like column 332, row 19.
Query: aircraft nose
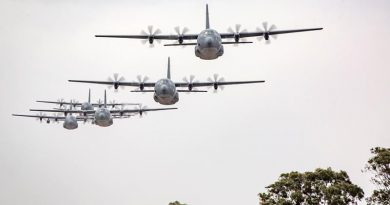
column 164, row 90
column 101, row 115
column 209, row 42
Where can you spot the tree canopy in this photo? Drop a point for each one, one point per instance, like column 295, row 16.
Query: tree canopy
column 323, row 186
column 379, row 165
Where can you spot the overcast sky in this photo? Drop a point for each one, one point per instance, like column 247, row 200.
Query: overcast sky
column 326, row 100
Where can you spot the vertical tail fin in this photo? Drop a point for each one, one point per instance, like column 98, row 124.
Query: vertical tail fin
column 105, row 99
column 207, row 17
column 89, row 96
column 169, row 68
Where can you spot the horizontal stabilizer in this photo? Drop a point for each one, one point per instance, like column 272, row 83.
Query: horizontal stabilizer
column 178, row 44
column 243, row 42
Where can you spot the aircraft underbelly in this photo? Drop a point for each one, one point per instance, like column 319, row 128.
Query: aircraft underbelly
column 210, row 53
column 166, row 100
column 104, row 123
column 70, row 125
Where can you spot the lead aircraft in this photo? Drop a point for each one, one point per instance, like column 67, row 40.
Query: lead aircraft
column 209, row 44
column 165, row 91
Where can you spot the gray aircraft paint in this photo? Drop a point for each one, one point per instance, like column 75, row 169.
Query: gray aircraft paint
column 103, row 116
column 87, row 105
column 70, row 122
column 165, row 90
column 209, row 42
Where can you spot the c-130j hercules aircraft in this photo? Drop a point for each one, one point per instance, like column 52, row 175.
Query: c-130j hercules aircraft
column 102, row 116
column 165, row 91
column 209, row 43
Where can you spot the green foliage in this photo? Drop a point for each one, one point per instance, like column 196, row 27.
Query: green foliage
column 323, row 186
column 379, row 165
column 176, row 203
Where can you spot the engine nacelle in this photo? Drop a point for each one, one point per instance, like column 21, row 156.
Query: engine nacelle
column 116, row 85
column 236, row 38
column 181, row 40
column 151, row 39
column 266, row 36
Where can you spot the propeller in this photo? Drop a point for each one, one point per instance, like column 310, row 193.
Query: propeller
column 216, row 80
column 190, row 82
column 181, row 33
column 121, row 113
column 140, row 110
column 100, row 103
column 41, row 116
column 266, row 30
column 116, row 80
column 151, row 33
column 61, row 102
column 113, row 102
column 142, row 80
column 237, row 33
column 56, row 116
column 73, row 103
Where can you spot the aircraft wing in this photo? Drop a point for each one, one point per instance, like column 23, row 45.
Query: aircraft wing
column 65, row 111
column 113, row 104
column 37, row 116
column 56, row 118
column 157, row 37
column 122, row 83
column 209, row 84
column 139, row 110
column 59, row 103
column 262, row 33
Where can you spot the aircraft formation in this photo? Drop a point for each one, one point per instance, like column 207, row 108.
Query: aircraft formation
column 208, row 46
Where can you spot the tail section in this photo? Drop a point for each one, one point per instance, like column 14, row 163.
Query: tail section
column 169, row 68
column 207, row 17
column 89, row 96
column 105, row 99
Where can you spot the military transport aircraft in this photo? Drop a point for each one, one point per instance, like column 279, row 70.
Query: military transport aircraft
column 209, row 43
column 70, row 122
column 102, row 117
column 86, row 105
column 165, row 91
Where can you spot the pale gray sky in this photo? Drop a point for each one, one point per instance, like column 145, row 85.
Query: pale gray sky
column 325, row 103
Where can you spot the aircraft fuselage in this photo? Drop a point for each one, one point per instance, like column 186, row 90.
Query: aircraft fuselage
column 165, row 92
column 87, row 106
column 209, row 45
column 70, row 122
column 103, row 117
